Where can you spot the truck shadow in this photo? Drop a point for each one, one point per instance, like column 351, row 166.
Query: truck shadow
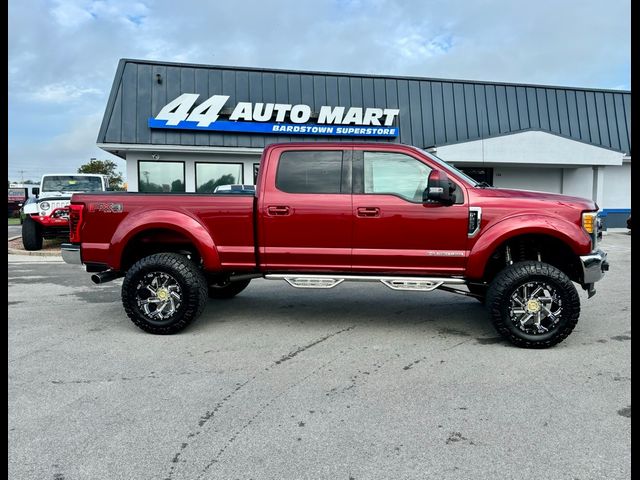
column 373, row 306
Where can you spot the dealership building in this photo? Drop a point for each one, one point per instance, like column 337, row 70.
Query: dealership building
column 190, row 128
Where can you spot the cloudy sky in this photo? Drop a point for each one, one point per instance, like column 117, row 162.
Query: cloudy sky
column 63, row 53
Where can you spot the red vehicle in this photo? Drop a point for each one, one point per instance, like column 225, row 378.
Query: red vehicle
column 324, row 213
column 17, row 197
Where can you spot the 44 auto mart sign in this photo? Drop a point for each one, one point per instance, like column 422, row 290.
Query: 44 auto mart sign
column 277, row 118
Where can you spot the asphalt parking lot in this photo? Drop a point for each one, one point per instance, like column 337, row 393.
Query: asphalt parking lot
column 14, row 230
column 359, row 382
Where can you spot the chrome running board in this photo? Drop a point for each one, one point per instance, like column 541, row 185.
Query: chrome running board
column 416, row 284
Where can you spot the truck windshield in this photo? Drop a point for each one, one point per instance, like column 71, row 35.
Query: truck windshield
column 453, row 169
column 71, row 183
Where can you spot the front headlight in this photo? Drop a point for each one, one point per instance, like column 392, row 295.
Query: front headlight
column 45, row 205
column 591, row 225
column 589, row 222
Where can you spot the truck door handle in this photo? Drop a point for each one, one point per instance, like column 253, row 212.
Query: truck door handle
column 368, row 212
column 279, row 210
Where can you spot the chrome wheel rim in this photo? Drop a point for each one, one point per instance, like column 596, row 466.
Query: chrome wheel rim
column 535, row 308
column 158, row 296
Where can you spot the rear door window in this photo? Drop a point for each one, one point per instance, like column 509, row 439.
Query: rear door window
column 310, row 172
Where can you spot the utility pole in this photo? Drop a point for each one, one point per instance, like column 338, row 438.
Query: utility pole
column 21, row 176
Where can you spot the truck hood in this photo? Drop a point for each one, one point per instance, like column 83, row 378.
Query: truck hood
column 575, row 202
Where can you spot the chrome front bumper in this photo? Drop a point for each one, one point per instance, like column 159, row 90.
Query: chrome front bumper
column 71, row 253
column 593, row 266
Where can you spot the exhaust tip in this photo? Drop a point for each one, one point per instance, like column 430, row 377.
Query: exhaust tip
column 104, row 277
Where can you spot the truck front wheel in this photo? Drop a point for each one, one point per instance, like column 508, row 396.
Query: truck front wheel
column 163, row 293
column 533, row 304
column 31, row 234
column 227, row 289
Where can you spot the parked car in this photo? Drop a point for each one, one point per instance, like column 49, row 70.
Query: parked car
column 47, row 216
column 16, row 198
column 327, row 213
column 235, row 189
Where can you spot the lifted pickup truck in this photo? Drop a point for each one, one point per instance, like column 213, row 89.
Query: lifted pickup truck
column 325, row 213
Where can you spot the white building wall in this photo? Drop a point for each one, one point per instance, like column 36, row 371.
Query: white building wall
column 528, row 178
column 578, row 182
column 529, row 148
column 616, row 188
column 534, row 160
column 132, row 173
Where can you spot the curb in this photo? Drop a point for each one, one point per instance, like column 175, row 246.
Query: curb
column 35, row 253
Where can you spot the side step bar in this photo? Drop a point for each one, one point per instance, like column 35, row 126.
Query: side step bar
column 418, row 284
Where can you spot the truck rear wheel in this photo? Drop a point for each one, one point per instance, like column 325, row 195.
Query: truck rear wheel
column 227, row 289
column 533, row 304
column 31, row 235
column 163, row 293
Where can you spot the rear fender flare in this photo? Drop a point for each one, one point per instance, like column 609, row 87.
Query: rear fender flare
column 178, row 222
column 524, row 224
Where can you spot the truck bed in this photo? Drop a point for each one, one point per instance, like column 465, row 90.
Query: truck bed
column 113, row 219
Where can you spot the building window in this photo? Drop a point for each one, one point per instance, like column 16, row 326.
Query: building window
column 256, row 169
column 212, row 175
column 161, row 177
column 310, row 172
column 395, row 174
column 479, row 174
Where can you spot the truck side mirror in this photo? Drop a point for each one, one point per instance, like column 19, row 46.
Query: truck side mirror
column 35, row 191
column 439, row 189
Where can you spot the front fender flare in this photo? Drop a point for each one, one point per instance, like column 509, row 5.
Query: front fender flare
column 178, row 222
column 524, row 224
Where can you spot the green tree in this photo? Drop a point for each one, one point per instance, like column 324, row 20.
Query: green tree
column 177, row 186
column 104, row 167
column 211, row 185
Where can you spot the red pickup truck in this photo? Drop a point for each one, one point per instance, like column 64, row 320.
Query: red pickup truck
column 325, row 213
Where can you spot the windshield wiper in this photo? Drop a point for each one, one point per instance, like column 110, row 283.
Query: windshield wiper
column 483, row 185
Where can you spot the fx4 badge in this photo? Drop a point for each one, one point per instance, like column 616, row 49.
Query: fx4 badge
column 106, row 207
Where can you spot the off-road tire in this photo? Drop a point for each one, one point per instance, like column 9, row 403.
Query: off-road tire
column 31, row 235
column 227, row 290
column 513, row 277
column 193, row 287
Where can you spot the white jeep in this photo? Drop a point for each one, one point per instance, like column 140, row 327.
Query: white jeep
column 48, row 216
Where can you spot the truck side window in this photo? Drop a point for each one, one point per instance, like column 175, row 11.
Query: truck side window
column 395, row 174
column 310, row 172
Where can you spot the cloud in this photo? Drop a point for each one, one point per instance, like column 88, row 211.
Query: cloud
column 70, row 15
column 419, row 47
column 60, row 153
column 59, row 93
